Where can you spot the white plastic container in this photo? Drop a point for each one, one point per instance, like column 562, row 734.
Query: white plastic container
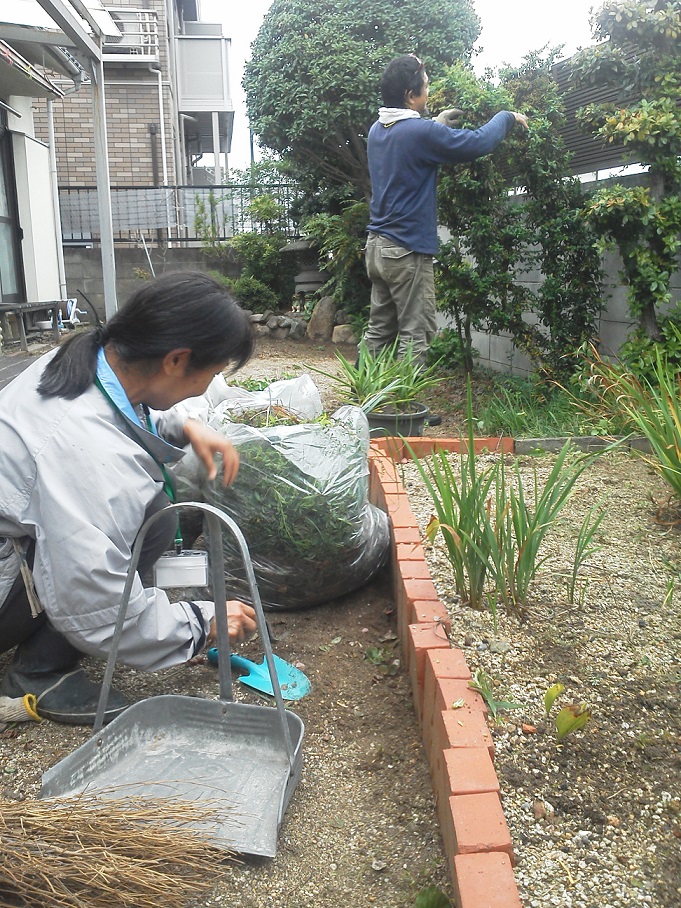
column 189, row 568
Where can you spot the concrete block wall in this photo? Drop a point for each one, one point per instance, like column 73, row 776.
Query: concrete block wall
column 83, row 267
column 458, row 745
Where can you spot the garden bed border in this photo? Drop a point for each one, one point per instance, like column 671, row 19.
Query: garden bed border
column 458, row 743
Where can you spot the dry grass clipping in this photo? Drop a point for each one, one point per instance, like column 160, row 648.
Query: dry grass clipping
column 105, row 853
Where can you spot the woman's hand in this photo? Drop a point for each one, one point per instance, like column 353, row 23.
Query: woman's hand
column 240, row 623
column 206, row 443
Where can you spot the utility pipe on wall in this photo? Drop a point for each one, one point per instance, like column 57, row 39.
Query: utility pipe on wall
column 162, row 130
column 162, row 119
column 217, row 177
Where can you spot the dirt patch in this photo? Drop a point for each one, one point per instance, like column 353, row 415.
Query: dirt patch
column 361, row 828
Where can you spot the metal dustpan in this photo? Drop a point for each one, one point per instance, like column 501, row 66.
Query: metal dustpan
column 243, row 760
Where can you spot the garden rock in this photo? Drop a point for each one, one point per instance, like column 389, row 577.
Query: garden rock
column 344, row 334
column 322, row 320
column 298, row 329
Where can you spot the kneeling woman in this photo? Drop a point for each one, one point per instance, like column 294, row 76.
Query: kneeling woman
column 82, row 465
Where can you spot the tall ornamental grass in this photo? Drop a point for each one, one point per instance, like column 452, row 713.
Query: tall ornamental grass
column 493, row 525
column 651, row 406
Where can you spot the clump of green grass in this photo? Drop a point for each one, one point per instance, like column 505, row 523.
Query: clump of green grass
column 535, row 407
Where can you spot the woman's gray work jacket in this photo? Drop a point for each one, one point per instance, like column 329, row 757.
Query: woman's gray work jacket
column 74, row 478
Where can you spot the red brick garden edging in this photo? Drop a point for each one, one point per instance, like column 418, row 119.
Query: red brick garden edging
column 458, row 743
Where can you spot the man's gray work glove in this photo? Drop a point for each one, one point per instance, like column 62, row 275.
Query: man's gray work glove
column 450, row 117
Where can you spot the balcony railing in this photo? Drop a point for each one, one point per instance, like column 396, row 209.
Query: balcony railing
column 172, row 213
column 139, row 37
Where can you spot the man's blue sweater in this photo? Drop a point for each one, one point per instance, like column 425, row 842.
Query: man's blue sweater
column 403, row 162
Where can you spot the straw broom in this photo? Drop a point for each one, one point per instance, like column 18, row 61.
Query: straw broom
column 105, row 853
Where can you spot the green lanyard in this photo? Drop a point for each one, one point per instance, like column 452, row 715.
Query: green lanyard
column 168, row 487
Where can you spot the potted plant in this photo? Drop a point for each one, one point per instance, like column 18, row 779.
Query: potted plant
column 386, row 387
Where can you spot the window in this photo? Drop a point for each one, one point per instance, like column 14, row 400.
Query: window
column 10, row 261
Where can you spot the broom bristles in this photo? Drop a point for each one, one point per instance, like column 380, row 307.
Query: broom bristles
column 99, row 853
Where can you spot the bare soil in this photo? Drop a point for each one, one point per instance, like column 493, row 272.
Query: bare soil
column 596, row 821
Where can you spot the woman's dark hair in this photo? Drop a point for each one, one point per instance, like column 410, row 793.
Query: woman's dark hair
column 402, row 74
column 186, row 309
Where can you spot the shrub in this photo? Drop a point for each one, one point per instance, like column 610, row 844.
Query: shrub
column 254, row 295
column 639, row 354
column 448, row 349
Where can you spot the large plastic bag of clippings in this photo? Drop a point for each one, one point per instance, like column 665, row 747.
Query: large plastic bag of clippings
column 301, row 500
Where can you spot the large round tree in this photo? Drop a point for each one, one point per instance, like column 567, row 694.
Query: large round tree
column 312, row 84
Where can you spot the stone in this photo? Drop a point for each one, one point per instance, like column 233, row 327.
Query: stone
column 298, row 329
column 344, row 334
column 322, row 320
column 280, row 332
column 261, row 330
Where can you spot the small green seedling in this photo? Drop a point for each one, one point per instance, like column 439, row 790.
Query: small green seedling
column 552, row 695
column 383, row 658
column 570, row 718
column 432, row 897
column 482, row 682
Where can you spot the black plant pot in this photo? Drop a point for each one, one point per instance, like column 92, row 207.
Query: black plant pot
column 384, row 422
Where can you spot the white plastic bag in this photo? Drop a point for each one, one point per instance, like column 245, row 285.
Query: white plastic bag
column 300, row 498
column 299, row 396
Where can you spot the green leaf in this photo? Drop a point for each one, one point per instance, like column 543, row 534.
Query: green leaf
column 570, row 718
column 552, row 695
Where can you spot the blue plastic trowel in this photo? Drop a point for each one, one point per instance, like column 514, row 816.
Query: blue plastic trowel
column 293, row 683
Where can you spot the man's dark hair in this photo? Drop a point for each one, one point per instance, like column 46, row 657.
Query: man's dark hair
column 402, row 74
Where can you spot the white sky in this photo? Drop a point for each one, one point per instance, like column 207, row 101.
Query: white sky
column 510, row 30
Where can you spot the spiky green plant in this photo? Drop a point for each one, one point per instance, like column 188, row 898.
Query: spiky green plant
column 651, row 406
column 382, row 380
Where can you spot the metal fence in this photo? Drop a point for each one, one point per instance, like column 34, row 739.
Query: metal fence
column 181, row 214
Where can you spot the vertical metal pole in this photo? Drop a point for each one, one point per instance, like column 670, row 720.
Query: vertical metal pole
column 54, row 181
column 216, row 148
column 103, row 188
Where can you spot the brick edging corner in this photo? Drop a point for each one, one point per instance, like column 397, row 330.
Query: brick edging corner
column 458, row 743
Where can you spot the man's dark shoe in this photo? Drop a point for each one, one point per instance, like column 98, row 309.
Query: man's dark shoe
column 66, row 697
column 433, row 420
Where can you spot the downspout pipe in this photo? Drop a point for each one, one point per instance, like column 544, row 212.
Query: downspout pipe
column 161, row 112
column 162, row 130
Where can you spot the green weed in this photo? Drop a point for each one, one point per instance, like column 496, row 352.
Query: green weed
column 483, row 684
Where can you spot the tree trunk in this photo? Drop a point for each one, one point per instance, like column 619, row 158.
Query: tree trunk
column 648, row 322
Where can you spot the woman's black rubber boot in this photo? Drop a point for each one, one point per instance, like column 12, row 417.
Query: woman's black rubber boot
column 46, row 665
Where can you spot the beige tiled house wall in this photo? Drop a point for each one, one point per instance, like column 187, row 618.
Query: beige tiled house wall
column 132, row 106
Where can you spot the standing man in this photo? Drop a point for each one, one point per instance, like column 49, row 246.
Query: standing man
column 404, row 152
